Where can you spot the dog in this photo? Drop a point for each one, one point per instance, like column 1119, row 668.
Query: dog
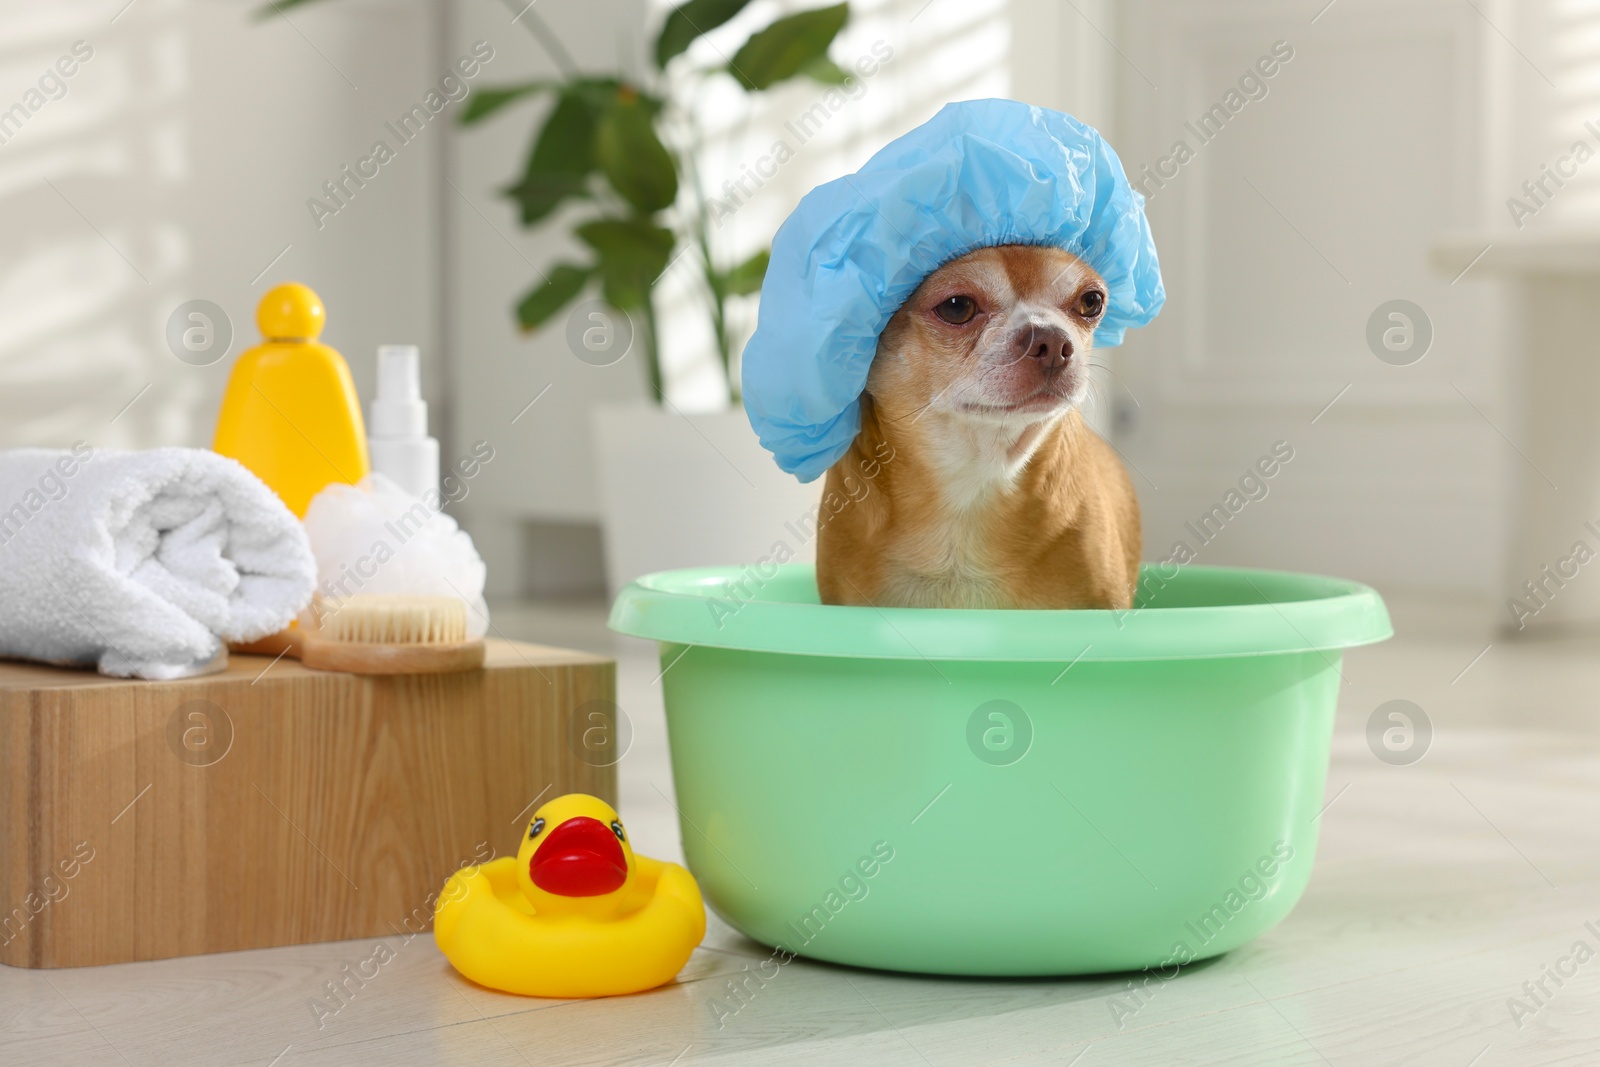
column 987, row 488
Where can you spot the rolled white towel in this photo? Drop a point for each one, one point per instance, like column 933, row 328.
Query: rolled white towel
column 142, row 564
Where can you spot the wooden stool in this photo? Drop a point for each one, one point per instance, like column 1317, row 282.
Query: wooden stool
column 273, row 804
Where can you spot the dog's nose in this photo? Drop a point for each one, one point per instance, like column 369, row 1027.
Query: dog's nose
column 1049, row 345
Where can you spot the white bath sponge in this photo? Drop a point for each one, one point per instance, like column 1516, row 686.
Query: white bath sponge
column 377, row 538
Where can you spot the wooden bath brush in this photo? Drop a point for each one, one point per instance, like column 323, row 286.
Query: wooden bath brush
column 376, row 634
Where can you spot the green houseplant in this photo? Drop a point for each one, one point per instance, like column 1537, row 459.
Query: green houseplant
column 619, row 160
column 629, row 150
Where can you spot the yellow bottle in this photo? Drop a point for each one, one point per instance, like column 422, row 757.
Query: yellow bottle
column 290, row 413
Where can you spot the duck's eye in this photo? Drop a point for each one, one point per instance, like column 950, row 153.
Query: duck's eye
column 1091, row 304
column 536, row 829
column 616, row 828
column 958, row 310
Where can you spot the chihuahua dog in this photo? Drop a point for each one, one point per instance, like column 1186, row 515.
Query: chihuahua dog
column 997, row 494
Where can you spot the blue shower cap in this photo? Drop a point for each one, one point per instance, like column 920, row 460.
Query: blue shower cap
column 979, row 173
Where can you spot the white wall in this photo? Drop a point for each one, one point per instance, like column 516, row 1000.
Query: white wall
column 1395, row 123
column 545, row 490
column 542, row 469
column 181, row 158
column 939, row 51
column 1545, row 92
column 1060, row 58
column 179, row 162
column 1278, row 240
column 185, row 150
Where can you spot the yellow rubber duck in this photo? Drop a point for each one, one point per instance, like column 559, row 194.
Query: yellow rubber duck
column 576, row 914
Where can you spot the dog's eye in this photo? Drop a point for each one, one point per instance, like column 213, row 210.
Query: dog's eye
column 957, row 310
column 1091, row 304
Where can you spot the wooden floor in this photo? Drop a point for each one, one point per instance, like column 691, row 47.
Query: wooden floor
column 1440, row 889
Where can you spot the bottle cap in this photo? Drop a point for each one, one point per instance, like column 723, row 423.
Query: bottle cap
column 398, row 409
column 290, row 312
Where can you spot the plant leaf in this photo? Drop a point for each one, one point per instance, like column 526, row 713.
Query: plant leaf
column 562, row 158
column 633, row 252
column 274, row 7
column 566, row 143
column 746, row 278
column 826, row 71
column 548, row 297
column 540, row 194
column 598, row 92
column 691, row 20
column 786, row 47
column 488, row 100
column 632, row 157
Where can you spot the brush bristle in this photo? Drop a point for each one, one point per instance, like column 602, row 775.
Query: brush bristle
column 370, row 618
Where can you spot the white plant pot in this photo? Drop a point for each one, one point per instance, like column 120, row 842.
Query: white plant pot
column 693, row 491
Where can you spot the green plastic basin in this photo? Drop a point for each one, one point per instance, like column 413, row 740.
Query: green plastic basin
column 1001, row 792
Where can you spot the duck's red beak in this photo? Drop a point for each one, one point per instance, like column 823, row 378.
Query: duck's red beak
column 580, row 858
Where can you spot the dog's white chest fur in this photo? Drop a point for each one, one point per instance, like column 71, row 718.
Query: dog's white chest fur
column 949, row 561
column 944, row 565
